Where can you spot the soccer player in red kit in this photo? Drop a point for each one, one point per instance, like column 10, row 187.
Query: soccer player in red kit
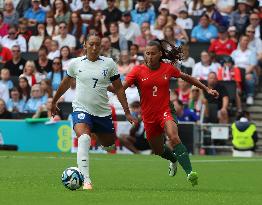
column 152, row 80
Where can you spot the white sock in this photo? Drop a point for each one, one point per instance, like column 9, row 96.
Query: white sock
column 84, row 142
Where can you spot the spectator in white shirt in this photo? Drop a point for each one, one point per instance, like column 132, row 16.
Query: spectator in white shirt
column 204, row 67
column 36, row 41
column 4, row 92
column 54, row 52
column 255, row 22
column 184, row 21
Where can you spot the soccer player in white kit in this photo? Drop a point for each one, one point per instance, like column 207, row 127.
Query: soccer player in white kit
column 91, row 111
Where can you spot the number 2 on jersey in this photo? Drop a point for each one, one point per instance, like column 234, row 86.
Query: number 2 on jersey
column 154, row 91
column 95, row 79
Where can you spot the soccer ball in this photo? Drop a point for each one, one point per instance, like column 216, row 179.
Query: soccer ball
column 72, row 178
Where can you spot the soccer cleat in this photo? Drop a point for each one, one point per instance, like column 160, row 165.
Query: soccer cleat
column 87, row 186
column 193, row 178
column 172, row 169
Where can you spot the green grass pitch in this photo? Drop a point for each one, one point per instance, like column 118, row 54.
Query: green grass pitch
column 35, row 179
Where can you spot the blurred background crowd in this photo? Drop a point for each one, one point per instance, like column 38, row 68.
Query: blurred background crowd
column 221, row 40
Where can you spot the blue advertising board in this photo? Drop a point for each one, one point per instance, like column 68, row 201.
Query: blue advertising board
column 37, row 137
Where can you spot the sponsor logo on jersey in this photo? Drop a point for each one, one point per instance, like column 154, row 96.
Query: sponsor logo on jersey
column 81, row 116
column 104, row 73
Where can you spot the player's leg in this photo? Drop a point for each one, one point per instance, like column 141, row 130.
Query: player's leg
column 83, row 132
column 180, row 150
column 129, row 143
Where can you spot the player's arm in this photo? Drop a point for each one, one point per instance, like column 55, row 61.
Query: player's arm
column 120, row 92
column 111, row 88
column 197, row 83
column 63, row 87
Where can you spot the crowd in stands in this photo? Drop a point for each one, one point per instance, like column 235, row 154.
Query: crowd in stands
column 38, row 39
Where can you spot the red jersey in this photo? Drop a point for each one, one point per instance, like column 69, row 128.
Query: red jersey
column 153, row 88
column 220, row 48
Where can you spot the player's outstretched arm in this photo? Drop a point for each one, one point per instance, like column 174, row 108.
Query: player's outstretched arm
column 111, row 88
column 197, row 83
column 63, row 87
column 120, row 92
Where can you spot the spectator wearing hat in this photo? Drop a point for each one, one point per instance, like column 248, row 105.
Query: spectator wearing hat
column 35, row 14
column 227, row 72
column 183, row 20
column 239, row 18
column 112, row 13
column 128, row 29
column 215, row 16
column 204, row 32
column 143, row 14
column 223, row 45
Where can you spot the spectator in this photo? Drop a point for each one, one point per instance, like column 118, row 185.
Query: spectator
column 35, row 100
column 117, row 41
column 187, row 61
column 222, row 101
column 36, row 41
column 246, row 59
column 15, row 103
column 255, row 23
column 239, row 18
column 163, row 9
column 51, row 27
column 57, row 74
column 143, row 14
column 196, row 101
column 43, row 64
column 134, row 53
column 4, row 113
column 60, row 10
column 124, row 64
column 23, row 29
column 64, row 38
column 75, row 5
column 31, row 73
column 169, row 35
column 128, row 29
column 112, row 13
column 204, row 32
column 136, row 141
column 17, row 63
column 183, row 91
column 202, row 69
column 5, row 54
column 77, row 28
column 225, row 7
column 184, row 114
column 5, row 78
column 232, row 34
column 196, row 8
column 24, row 88
column 70, row 94
column 86, row 13
column 54, row 52
column 98, row 24
column 254, row 44
column 22, row 6
column 223, row 45
column 65, row 56
column 4, row 92
column 44, row 111
column 35, row 14
column 3, row 26
column 98, row 4
column 179, row 32
column 244, row 135
column 10, row 14
column 145, row 36
column 230, row 72
column 216, row 18
column 107, row 50
column 157, row 29
column 183, row 20
column 174, row 6
column 47, row 43
column 13, row 38
column 45, row 5
column 46, row 88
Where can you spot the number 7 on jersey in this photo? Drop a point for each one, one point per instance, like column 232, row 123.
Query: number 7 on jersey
column 95, row 79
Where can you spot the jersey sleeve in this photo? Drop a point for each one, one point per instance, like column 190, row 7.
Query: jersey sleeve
column 113, row 75
column 71, row 69
column 174, row 72
column 131, row 77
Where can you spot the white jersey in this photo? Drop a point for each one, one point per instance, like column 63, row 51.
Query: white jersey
column 92, row 80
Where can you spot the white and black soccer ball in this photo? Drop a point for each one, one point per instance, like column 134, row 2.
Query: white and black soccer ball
column 72, row 178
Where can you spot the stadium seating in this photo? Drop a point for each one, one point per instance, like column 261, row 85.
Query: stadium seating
column 195, row 50
column 30, row 56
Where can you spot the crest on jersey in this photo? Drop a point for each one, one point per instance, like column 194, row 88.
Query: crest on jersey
column 81, row 116
column 165, row 77
column 104, row 73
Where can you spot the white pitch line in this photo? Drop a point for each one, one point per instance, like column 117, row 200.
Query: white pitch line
column 106, row 159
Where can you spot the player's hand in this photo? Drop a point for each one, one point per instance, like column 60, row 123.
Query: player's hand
column 131, row 119
column 54, row 109
column 213, row 92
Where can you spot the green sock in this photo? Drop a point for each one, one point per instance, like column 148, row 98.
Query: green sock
column 183, row 158
column 168, row 154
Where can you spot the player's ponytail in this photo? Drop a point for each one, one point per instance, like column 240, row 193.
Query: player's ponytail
column 170, row 52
